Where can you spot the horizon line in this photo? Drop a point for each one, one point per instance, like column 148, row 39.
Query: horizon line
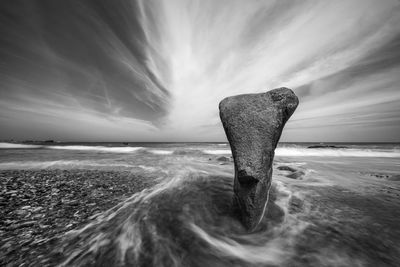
column 49, row 141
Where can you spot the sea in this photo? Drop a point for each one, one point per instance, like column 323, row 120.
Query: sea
column 331, row 204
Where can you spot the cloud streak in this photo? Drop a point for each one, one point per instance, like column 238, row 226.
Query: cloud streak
column 156, row 70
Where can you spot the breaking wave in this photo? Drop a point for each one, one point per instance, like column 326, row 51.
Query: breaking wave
column 110, row 149
column 12, row 145
column 287, row 151
column 161, row 152
column 99, row 148
column 335, row 152
column 217, row 151
column 318, row 152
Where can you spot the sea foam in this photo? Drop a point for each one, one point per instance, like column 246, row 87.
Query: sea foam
column 335, row 152
column 99, row 148
column 161, row 152
column 111, row 149
column 280, row 151
column 217, row 151
column 12, row 145
column 321, row 152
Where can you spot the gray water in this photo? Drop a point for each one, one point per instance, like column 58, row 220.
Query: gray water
column 328, row 207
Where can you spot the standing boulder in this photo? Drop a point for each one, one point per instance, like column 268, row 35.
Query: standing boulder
column 253, row 124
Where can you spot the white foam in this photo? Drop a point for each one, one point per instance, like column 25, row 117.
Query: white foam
column 12, row 145
column 335, row 152
column 321, row 152
column 161, row 152
column 271, row 253
column 217, row 151
column 99, row 148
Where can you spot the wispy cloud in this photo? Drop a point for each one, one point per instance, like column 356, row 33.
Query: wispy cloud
column 157, row 69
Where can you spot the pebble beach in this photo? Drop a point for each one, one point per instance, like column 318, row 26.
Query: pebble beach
column 39, row 206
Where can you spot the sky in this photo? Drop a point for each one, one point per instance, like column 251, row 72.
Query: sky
column 152, row 70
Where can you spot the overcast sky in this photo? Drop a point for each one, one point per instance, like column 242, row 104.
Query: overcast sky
column 156, row 70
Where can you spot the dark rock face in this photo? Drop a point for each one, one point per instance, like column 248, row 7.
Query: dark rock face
column 253, row 124
column 224, row 159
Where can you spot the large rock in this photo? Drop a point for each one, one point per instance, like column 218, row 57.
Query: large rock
column 253, row 124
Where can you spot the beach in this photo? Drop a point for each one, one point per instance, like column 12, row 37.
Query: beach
column 166, row 204
column 39, row 206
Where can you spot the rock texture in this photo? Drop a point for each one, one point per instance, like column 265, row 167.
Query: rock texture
column 253, row 124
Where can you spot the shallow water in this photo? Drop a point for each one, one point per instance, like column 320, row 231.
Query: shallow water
column 328, row 207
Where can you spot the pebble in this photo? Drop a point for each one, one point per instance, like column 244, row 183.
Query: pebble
column 22, row 212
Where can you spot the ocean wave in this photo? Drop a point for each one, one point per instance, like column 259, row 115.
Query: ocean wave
column 161, row 152
column 295, row 151
column 114, row 149
column 12, row 145
column 309, row 152
column 99, row 148
column 217, row 151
